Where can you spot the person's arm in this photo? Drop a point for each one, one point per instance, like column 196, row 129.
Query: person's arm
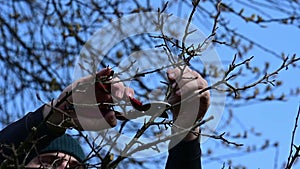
column 37, row 129
column 22, row 136
column 185, row 154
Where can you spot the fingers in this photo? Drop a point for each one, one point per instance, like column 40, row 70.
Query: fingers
column 176, row 74
column 117, row 88
column 114, row 90
column 185, row 81
column 119, row 91
column 129, row 93
column 96, row 116
column 190, row 82
column 110, row 118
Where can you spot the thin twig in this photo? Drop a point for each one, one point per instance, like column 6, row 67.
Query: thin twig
column 292, row 158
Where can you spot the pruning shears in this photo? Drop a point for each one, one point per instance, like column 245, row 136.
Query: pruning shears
column 157, row 108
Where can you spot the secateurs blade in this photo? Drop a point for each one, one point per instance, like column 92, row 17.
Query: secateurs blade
column 152, row 108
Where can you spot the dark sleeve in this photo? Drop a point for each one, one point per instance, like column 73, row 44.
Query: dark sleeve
column 26, row 136
column 185, row 155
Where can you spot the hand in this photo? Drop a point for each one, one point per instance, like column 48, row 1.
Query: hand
column 87, row 95
column 184, row 83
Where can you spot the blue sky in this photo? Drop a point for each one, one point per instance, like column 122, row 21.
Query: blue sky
column 274, row 120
